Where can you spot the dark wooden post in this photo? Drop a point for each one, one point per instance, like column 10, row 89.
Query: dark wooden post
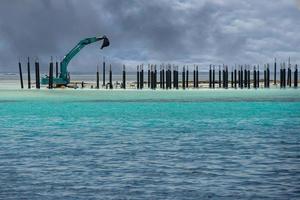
column 289, row 79
column 183, row 77
column 21, row 75
column 110, row 78
column 242, row 77
column 56, row 69
column 141, row 77
column 197, row 77
column 149, row 76
column 194, row 77
column 249, row 78
column 268, row 76
column 257, row 76
column 210, row 77
column 227, row 77
column 239, row 77
column 254, row 78
column 220, row 76
column 281, row 77
column 160, row 76
column 265, row 76
column 155, row 77
column 235, row 78
column 50, row 84
column 275, row 71
column 296, row 77
column 97, row 78
column 187, row 77
column 137, row 77
column 284, row 75
column 245, row 77
column 124, row 77
column 224, row 76
column 232, row 78
column 103, row 84
column 163, row 77
column 28, row 74
column 37, row 74
column 213, row 78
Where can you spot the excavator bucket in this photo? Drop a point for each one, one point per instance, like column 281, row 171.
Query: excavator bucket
column 105, row 42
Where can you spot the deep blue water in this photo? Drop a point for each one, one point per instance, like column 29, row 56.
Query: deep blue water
column 149, row 150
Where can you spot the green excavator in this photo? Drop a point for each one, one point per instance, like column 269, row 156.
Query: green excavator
column 64, row 76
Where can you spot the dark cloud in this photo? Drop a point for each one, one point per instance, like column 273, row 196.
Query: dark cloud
column 141, row 31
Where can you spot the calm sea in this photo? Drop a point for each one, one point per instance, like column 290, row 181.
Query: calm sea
column 150, row 144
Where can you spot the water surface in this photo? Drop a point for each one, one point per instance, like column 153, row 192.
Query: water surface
column 150, row 145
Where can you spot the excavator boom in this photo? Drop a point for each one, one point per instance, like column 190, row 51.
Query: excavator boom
column 64, row 77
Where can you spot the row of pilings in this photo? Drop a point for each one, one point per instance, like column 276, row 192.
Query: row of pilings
column 170, row 77
column 37, row 73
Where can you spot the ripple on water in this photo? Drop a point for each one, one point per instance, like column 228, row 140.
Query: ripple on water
column 150, row 150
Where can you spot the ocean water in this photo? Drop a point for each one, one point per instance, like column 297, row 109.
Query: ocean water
column 206, row 144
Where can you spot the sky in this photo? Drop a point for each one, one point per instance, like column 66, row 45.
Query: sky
column 178, row 32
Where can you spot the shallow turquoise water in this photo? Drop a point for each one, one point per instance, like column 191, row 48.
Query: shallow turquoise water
column 152, row 145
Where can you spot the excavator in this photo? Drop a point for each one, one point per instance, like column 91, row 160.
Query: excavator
column 64, row 76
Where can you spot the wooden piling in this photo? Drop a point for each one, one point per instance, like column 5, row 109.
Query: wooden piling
column 281, row 76
column 213, row 78
column 249, row 78
column 170, row 77
column 235, row 78
column 284, row 75
column 226, row 72
column 242, row 78
column 137, row 77
column 194, row 77
column 103, row 68
column 289, row 79
column 246, row 77
column 220, row 76
column 210, row 77
column 275, row 71
column 56, row 69
column 163, row 77
column 232, row 78
column 183, row 77
column 37, row 74
column 152, row 77
column 110, row 78
column 265, row 76
column 296, row 77
column 257, row 76
column 155, row 77
column 268, row 76
column 21, row 75
column 141, row 77
column 239, row 77
column 187, row 77
column 197, row 77
column 124, row 77
column 149, row 76
column 97, row 78
column 254, row 78
column 177, row 78
column 28, row 73
column 160, row 76
column 224, row 77
column 50, row 82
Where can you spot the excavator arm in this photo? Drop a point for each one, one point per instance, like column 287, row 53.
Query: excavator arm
column 64, row 77
column 75, row 50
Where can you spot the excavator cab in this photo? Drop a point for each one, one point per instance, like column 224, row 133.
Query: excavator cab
column 105, row 42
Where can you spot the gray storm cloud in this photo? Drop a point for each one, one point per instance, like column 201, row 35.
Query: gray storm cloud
column 167, row 31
